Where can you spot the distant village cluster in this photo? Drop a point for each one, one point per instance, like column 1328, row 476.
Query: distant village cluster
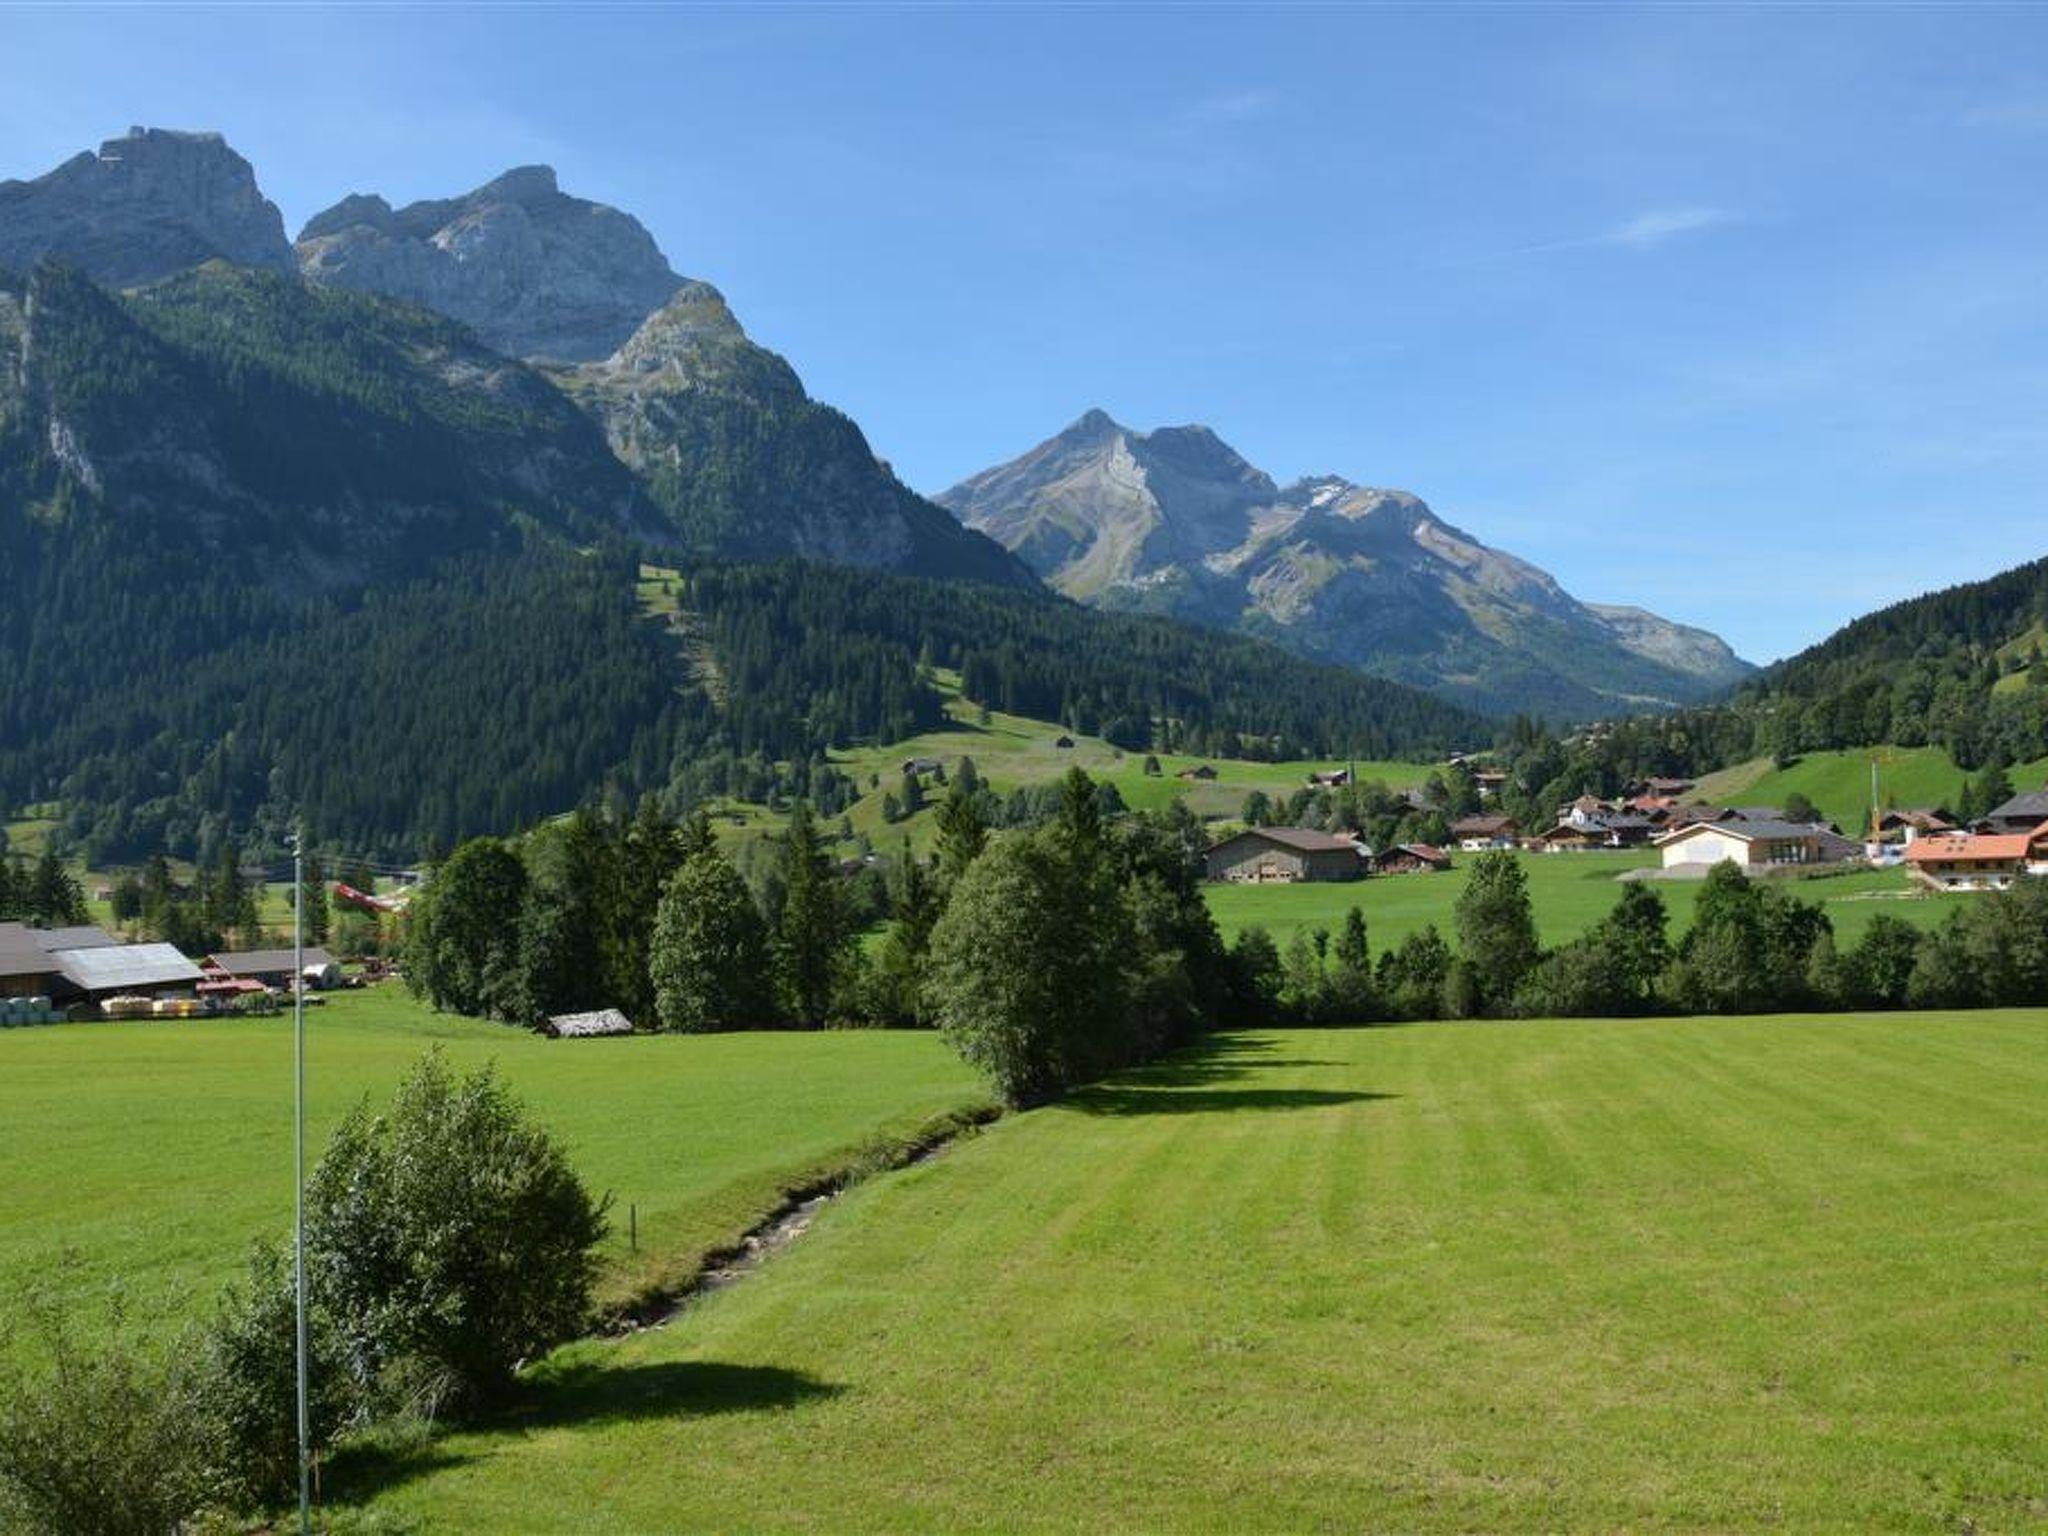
column 1692, row 835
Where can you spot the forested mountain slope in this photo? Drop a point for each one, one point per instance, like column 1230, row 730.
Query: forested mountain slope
column 1964, row 669
column 274, row 549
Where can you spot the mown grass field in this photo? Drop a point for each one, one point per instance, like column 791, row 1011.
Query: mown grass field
column 1714, row 1274
column 1570, row 892
column 157, row 1152
column 1838, row 783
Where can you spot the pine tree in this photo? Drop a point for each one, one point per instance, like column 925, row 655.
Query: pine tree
column 317, row 924
column 54, row 898
column 962, row 832
column 648, row 854
column 812, row 935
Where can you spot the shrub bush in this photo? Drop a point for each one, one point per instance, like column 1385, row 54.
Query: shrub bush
column 104, row 1437
column 448, row 1240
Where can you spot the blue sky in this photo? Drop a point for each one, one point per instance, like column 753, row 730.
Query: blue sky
column 1740, row 313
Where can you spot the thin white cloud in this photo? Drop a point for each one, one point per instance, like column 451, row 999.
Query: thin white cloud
column 1661, row 224
column 1229, row 107
column 1644, row 231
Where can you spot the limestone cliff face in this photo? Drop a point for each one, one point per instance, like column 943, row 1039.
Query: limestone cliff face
column 148, row 205
column 720, row 431
column 537, row 273
column 311, row 440
column 1174, row 521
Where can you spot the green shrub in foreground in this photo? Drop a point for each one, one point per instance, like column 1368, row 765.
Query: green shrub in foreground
column 100, row 1438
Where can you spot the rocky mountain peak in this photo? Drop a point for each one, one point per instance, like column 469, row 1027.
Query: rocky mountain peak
column 526, row 184
column 537, row 273
column 153, row 202
column 1176, row 521
column 1092, row 425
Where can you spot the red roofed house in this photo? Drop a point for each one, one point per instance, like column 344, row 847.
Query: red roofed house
column 1978, row 861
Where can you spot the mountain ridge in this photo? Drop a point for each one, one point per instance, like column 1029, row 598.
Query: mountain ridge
column 1175, row 521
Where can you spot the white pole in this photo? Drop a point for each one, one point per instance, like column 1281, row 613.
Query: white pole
column 299, row 1168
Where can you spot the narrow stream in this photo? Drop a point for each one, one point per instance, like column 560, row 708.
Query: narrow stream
column 784, row 1226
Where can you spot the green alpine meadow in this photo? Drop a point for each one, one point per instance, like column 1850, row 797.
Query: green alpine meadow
column 1164, row 766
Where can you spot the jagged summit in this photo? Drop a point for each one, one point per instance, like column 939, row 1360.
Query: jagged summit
column 537, row 273
column 151, row 203
column 1176, row 521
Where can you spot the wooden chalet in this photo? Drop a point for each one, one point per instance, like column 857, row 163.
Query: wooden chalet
column 1978, row 861
column 1474, row 833
column 1283, row 855
column 1410, row 859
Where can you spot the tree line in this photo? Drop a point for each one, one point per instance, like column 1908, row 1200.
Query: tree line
column 1754, row 946
column 1050, row 954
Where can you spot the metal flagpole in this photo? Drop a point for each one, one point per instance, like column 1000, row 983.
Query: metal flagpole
column 299, row 1167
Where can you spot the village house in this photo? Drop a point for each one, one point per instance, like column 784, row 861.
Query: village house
column 1906, row 824
column 1276, row 855
column 2022, row 813
column 1657, row 808
column 1490, row 782
column 1334, row 778
column 1753, row 844
column 1201, row 773
column 1474, row 833
column 1978, row 861
column 1410, row 859
column 1586, row 811
column 920, row 766
column 1584, row 831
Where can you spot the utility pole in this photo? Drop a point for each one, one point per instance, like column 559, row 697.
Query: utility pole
column 299, row 1170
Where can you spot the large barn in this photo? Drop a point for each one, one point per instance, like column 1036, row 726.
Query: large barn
column 1269, row 855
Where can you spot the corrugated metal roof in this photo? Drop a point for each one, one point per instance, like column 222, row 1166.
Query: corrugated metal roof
column 21, row 955
column 606, row 1021
column 120, row 966
column 1303, row 839
column 254, row 962
column 85, row 937
column 1747, row 831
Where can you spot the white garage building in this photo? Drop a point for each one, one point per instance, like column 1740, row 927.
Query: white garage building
column 1751, row 844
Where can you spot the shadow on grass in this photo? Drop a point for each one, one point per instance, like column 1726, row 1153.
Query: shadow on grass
column 1125, row 1098
column 580, row 1394
column 1219, row 1058
column 596, row 1394
column 1192, row 1081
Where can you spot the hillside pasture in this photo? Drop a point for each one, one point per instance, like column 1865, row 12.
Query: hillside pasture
column 156, row 1152
column 1570, row 892
column 1012, row 751
column 1708, row 1274
column 1838, row 783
